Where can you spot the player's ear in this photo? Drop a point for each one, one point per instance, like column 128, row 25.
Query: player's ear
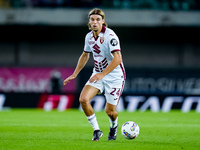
column 103, row 21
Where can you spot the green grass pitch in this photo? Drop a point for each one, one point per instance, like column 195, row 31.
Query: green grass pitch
column 33, row 129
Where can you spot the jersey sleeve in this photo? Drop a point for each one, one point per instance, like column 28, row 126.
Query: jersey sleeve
column 86, row 46
column 114, row 44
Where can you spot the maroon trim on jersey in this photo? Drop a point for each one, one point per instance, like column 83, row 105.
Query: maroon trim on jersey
column 105, row 65
column 95, row 37
column 115, row 50
column 104, row 60
column 100, row 66
column 86, row 51
column 97, row 70
column 103, row 29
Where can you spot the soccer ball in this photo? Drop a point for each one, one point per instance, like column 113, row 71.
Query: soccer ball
column 130, row 130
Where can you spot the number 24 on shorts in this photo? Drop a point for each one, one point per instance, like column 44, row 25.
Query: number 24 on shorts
column 116, row 91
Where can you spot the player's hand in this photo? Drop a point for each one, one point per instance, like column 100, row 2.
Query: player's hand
column 96, row 78
column 67, row 80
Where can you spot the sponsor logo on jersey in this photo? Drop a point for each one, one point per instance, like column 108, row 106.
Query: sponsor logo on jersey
column 96, row 49
column 98, row 56
column 91, row 42
column 113, row 42
column 102, row 39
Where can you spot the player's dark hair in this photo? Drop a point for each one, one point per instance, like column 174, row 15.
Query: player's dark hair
column 97, row 11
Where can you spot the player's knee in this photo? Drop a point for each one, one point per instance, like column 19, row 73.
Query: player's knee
column 83, row 100
column 109, row 112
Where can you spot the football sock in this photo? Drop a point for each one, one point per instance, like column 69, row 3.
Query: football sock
column 113, row 124
column 93, row 121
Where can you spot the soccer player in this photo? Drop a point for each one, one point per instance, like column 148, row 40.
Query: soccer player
column 108, row 73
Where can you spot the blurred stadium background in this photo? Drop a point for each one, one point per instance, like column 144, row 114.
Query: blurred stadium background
column 41, row 41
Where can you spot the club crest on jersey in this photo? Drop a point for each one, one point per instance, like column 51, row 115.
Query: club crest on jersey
column 113, row 42
column 102, row 39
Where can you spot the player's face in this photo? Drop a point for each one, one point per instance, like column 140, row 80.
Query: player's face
column 96, row 22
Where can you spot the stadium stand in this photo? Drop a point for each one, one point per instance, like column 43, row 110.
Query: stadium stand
column 127, row 4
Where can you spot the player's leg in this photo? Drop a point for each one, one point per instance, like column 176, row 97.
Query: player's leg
column 113, row 90
column 112, row 113
column 113, row 117
column 87, row 94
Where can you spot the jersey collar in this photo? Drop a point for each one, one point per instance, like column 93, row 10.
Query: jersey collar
column 102, row 31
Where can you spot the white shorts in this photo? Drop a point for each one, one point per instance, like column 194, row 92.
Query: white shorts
column 112, row 88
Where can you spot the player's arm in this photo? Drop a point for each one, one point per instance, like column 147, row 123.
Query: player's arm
column 113, row 64
column 83, row 59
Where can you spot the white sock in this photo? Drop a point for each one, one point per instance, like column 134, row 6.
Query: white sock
column 113, row 124
column 93, row 121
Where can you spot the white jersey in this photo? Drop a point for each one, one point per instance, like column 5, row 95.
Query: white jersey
column 102, row 48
